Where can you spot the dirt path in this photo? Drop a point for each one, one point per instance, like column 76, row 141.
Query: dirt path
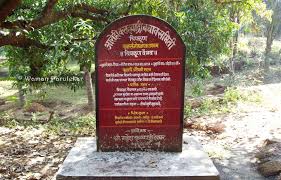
column 234, row 150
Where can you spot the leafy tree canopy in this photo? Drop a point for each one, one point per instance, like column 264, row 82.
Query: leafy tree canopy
column 58, row 31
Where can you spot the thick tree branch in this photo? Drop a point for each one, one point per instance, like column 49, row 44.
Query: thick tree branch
column 49, row 16
column 88, row 8
column 88, row 16
column 21, row 24
column 7, row 8
column 48, row 9
column 20, row 41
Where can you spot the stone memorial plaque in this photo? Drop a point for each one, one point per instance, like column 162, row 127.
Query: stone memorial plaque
column 140, row 86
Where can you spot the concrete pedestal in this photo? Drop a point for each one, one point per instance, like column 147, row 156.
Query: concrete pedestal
column 85, row 163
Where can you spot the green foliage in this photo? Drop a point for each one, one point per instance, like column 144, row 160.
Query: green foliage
column 204, row 29
column 58, row 94
column 82, row 126
column 12, row 98
column 206, row 34
column 2, row 53
column 231, row 95
column 243, row 13
column 37, row 63
column 204, row 25
column 208, row 107
column 69, row 40
column 222, row 105
column 197, row 89
column 188, row 112
column 253, row 97
column 12, row 123
column 5, row 120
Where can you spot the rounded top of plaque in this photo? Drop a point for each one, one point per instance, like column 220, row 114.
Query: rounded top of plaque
column 142, row 33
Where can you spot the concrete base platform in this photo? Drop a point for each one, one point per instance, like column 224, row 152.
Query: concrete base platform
column 85, row 163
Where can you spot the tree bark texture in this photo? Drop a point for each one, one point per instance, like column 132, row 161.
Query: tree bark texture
column 21, row 96
column 89, row 88
column 272, row 30
column 234, row 17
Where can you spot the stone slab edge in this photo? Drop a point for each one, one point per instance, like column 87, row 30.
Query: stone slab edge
column 85, row 163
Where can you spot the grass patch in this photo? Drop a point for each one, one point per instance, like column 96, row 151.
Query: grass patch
column 208, row 107
column 232, row 95
column 12, row 98
column 82, row 126
column 223, row 105
column 7, row 89
column 59, row 93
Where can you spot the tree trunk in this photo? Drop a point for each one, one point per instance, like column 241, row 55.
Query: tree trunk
column 234, row 17
column 269, row 42
column 21, row 96
column 89, row 88
column 234, row 52
column 271, row 33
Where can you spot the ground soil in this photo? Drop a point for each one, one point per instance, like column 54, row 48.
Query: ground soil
column 31, row 153
column 234, row 150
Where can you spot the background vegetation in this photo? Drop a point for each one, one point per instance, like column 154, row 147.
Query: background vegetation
column 44, row 38
column 233, row 69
